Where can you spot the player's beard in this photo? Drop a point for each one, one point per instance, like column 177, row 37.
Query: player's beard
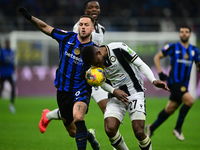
column 83, row 37
column 184, row 40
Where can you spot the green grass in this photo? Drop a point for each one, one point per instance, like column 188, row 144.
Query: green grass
column 20, row 131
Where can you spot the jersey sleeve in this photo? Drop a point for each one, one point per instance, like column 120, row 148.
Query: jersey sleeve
column 196, row 55
column 167, row 49
column 59, row 34
column 128, row 53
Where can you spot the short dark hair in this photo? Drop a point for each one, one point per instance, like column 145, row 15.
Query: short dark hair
column 88, row 54
column 86, row 2
column 88, row 16
column 185, row 26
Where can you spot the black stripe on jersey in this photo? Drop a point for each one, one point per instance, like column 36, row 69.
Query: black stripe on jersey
column 180, row 56
column 187, row 67
column 128, row 69
column 171, row 73
column 63, row 49
column 70, row 50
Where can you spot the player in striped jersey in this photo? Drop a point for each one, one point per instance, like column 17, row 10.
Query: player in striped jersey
column 73, row 92
column 182, row 55
column 125, row 85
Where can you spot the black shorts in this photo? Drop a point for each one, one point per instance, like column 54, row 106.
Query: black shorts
column 177, row 91
column 66, row 102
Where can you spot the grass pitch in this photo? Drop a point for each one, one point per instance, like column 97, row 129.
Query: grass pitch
column 20, row 131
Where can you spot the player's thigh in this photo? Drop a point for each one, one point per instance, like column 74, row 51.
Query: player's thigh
column 79, row 111
column 115, row 108
column 99, row 94
column 188, row 99
column 138, row 128
column 111, row 125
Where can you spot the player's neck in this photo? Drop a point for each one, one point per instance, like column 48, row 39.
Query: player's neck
column 186, row 45
column 84, row 40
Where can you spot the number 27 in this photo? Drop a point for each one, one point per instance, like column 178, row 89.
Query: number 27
column 133, row 103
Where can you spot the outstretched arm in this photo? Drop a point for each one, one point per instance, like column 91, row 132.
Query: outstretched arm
column 41, row 25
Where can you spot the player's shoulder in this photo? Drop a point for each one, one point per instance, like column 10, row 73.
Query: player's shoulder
column 116, row 44
column 169, row 45
column 102, row 27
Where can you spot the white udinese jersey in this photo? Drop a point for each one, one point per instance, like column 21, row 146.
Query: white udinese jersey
column 97, row 34
column 121, row 72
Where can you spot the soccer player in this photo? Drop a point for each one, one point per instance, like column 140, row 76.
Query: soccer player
column 7, row 71
column 73, row 92
column 182, row 55
column 125, row 87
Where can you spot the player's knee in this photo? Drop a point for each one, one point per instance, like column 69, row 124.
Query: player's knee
column 71, row 132
column 140, row 134
column 110, row 131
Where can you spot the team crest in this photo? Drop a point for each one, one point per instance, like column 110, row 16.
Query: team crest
column 112, row 58
column 183, row 89
column 186, row 56
column 77, row 51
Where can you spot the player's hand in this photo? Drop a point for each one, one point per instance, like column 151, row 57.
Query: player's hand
column 161, row 84
column 24, row 12
column 162, row 76
column 121, row 95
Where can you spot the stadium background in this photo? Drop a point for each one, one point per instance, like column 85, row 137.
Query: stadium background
column 37, row 59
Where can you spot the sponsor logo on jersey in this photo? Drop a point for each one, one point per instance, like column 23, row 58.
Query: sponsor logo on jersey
column 130, row 50
column 70, row 43
column 186, row 62
column 76, row 59
column 112, row 58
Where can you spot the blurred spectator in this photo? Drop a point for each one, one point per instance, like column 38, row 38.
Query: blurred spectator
column 7, row 68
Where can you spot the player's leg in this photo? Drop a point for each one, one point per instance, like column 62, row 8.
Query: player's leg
column 162, row 116
column 101, row 97
column 111, row 128
column 47, row 116
column 113, row 116
column 138, row 128
column 2, row 80
column 12, row 97
column 188, row 101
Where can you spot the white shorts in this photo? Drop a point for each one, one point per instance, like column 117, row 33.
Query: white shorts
column 99, row 94
column 136, row 108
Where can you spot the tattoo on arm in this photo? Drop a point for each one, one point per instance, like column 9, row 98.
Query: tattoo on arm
column 41, row 25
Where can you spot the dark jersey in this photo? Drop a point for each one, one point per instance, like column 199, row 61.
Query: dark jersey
column 181, row 60
column 7, row 58
column 70, row 62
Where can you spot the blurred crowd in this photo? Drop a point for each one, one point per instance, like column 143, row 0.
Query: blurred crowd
column 128, row 10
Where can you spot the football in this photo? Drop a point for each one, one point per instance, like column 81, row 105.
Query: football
column 95, row 76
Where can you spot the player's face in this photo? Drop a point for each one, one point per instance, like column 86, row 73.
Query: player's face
column 93, row 9
column 99, row 59
column 85, row 28
column 184, row 35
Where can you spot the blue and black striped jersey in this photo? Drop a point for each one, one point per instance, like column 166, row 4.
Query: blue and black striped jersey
column 181, row 60
column 70, row 62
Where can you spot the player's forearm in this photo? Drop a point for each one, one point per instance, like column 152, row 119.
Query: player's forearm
column 41, row 25
column 107, row 87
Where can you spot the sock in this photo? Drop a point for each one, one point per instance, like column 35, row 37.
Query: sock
column 81, row 135
column 145, row 144
column 182, row 114
column 162, row 116
column 54, row 114
column 118, row 142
